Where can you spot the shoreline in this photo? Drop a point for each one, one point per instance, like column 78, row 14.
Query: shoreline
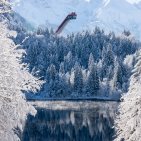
column 73, row 99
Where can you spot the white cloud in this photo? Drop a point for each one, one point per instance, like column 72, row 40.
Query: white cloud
column 87, row 0
column 133, row 1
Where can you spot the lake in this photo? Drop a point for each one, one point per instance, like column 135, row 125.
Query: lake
column 71, row 121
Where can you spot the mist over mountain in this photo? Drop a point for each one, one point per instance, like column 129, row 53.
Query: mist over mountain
column 111, row 15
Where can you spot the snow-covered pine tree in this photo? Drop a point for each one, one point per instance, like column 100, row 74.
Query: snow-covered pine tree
column 52, row 72
column 49, row 49
column 107, row 61
column 91, row 61
column 92, row 85
column 13, row 79
column 117, row 78
column 128, row 122
column 78, row 78
column 68, row 61
column 120, row 78
column 62, row 69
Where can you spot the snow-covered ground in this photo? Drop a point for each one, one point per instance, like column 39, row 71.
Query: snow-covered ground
column 111, row 15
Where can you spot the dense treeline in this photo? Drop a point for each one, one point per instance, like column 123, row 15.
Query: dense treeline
column 85, row 64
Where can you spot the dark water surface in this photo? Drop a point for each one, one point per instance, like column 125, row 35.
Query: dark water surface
column 71, row 121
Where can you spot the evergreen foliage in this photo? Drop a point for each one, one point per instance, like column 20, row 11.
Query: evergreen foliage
column 84, row 63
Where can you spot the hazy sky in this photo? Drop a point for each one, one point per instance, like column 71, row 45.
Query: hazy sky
column 134, row 1
column 131, row 1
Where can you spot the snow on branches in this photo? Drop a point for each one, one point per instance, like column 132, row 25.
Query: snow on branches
column 128, row 123
column 13, row 79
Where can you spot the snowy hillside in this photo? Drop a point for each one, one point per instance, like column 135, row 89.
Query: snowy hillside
column 112, row 15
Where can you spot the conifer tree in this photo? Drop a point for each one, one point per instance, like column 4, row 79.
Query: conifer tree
column 93, row 79
column 78, row 78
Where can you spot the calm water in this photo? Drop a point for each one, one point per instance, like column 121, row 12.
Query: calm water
column 71, row 121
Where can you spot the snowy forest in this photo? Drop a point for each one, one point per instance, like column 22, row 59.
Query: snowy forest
column 86, row 64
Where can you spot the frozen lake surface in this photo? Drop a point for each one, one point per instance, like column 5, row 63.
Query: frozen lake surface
column 71, row 121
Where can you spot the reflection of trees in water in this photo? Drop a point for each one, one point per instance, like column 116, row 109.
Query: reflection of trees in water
column 68, row 125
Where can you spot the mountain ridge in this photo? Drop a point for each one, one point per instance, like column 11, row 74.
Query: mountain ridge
column 109, row 15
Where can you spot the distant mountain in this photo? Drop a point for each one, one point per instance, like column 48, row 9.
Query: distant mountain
column 112, row 15
column 14, row 20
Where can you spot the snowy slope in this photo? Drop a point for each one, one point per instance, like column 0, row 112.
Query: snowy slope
column 109, row 14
